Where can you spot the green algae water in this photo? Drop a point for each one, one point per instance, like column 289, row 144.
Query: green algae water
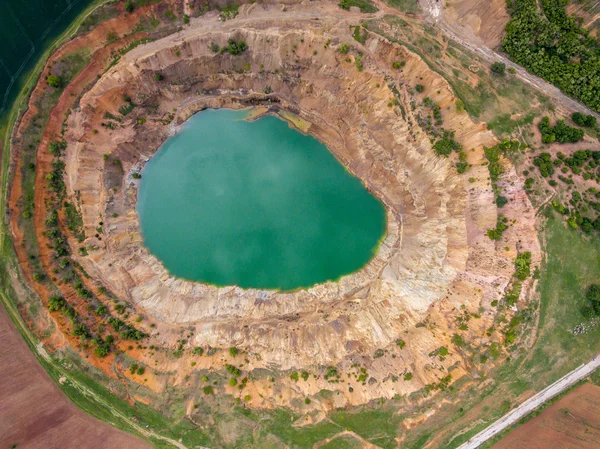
column 255, row 204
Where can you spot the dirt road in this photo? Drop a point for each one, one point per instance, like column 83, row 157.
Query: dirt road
column 532, row 403
column 434, row 10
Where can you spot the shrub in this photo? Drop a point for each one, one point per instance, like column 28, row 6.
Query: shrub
column 501, row 201
column 129, row 6
column 54, row 81
column 234, row 47
column 523, row 265
column 158, row 77
column 462, row 167
column 560, row 132
column 498, row 68
column 446, row 144
column 57, row 147
column 419, row 88
column 344, row 48
column 587, row 121
column 544, row 163
column 294, row 376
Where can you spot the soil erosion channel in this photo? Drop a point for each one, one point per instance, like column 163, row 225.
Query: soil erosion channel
column 255, row 204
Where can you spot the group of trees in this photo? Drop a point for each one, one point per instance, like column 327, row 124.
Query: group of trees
column 561, row 132
column 446, row 144
column 552, row 45
column 586, row 121
column 592, row 295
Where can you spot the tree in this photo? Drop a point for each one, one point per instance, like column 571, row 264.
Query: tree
column 587, row 121
column 592, row 295
column 158, row 77
column 54, row 81
column 501, row 201
column 344, row 48
column 498, row 68
column 235, row 48
column 420, row 88
column 129, row 6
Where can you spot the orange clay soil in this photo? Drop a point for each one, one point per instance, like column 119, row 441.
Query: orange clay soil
column 95, row 43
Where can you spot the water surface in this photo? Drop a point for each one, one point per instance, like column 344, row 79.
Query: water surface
column 255, row 204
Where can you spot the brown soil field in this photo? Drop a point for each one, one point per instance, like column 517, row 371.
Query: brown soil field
column 571, row 423
column 34, row 412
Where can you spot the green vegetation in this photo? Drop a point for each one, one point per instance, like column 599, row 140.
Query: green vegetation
column 501, row 226
column 234, row 48
column 358, row 62
column 587, row 121
column 344, row 48
column 406, row 6
column 229, row 12
column 498, row 68
column 446, row 144
column 560, row 132
column 592, row 306
column 544, row 162
column 523, row 264
column 54, row 81
column 358, row 34
column 364, row 5
column 552, row 45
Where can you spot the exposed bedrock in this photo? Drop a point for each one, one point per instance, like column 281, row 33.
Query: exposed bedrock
column 434, row 259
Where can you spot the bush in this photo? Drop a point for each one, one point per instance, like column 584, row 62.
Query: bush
column 54, row 81
column 462, row 167
column 344, row 48
column 420, row 88
column 129, row 6
column 501, row 201
column 592, row 295
column 544, row 163
column 158, row 77
column 57, row 147
column 587, row 121
column 523, row 265
column 446, row 145
column 234, row 47
column 498, row 68
column 560, row 132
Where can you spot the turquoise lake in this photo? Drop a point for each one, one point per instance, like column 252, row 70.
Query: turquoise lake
column 255, row 204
